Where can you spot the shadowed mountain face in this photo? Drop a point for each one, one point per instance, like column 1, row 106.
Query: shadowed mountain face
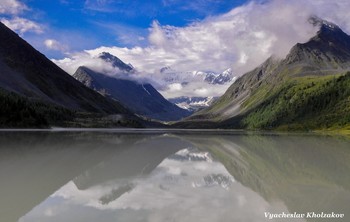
column 142, row 99
column 25, row 71
column 296, row 92
column 329, row 49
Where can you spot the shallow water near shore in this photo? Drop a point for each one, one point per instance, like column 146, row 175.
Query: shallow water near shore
column 156, row 175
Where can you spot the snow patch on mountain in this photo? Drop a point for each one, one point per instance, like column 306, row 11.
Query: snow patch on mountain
column 193, row 104
column 170, row 75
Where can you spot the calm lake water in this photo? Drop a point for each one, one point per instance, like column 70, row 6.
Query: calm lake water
column 160, row 176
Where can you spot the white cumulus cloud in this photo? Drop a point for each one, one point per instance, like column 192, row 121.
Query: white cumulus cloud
column 11, row 12
column 12, row 7
column 55, row 45
column 22, row 25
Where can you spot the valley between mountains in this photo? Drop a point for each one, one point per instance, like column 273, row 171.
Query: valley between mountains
column 309, row 89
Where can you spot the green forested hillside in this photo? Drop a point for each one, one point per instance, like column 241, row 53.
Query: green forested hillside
column 22, row 112
column 300, row 104
column 17, row 111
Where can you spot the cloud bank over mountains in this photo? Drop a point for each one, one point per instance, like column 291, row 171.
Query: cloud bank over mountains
column 240, row 39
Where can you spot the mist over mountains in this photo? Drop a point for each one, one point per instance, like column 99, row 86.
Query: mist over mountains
column 170, row 82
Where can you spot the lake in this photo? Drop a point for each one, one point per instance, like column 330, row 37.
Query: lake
column 157, row 175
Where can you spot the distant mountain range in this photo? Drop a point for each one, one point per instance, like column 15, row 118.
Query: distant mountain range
column 141, row 98
column 193, row 104
column 170, row 75
column 308, row 89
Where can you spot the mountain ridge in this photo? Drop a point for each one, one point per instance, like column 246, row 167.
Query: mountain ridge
column 116, row 62
column 37, row 93
column 142, row 99
column 29, row 73
column 265, row 97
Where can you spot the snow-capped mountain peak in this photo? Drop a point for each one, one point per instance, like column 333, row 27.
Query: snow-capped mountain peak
column 228, row 72
column 193, row 103
column 171, row 75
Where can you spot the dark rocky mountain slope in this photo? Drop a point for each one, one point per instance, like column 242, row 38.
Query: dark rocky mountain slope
column 29, row 79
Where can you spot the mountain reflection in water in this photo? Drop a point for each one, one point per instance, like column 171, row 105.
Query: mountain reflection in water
column 113, row 176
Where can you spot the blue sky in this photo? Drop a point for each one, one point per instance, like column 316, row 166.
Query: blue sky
column 86, row 24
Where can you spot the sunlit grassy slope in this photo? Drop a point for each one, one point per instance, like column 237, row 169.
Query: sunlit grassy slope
column 300, row 103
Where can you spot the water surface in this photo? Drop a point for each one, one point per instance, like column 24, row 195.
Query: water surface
column 170, row 176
